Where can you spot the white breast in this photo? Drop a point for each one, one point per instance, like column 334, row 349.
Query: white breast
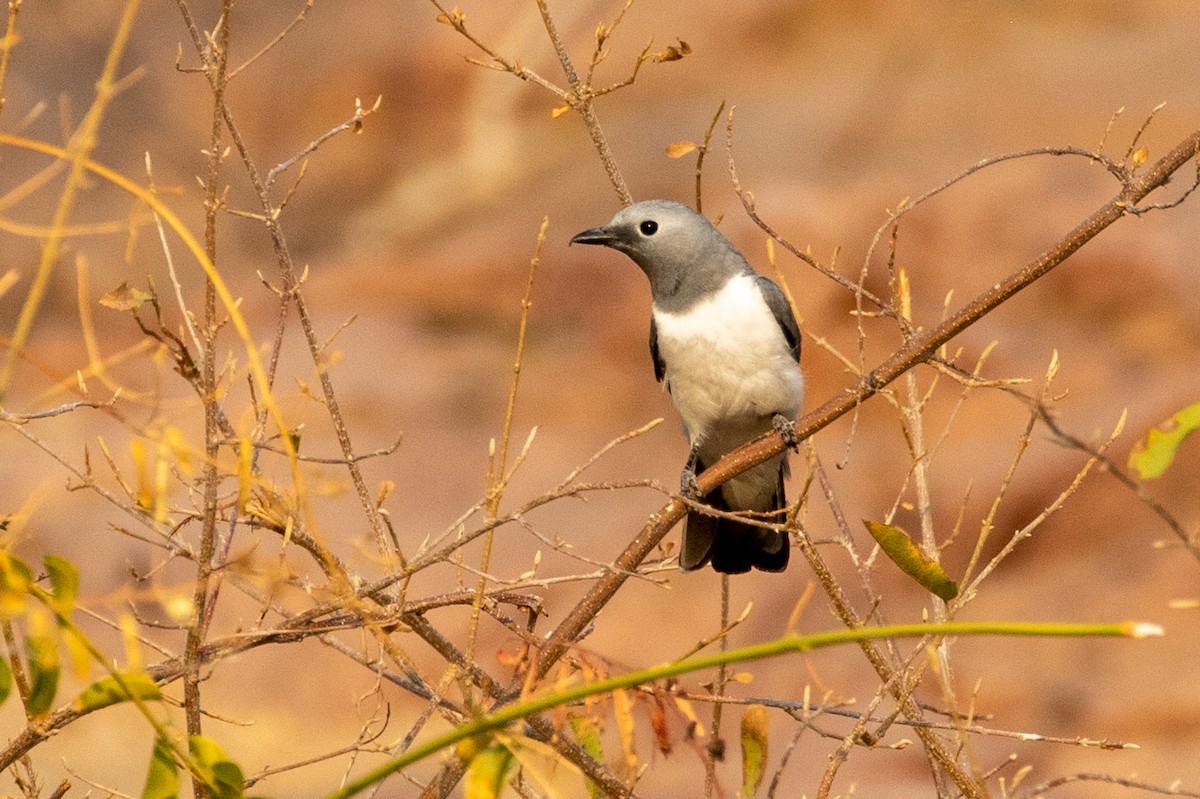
column 727, row 362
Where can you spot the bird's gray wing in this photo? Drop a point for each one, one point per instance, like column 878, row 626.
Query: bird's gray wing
column 781, row 309
column 659, row 365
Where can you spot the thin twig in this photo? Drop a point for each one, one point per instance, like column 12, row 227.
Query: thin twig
column 583, row 104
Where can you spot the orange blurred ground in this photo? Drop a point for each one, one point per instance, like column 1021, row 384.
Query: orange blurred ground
column 422, row 227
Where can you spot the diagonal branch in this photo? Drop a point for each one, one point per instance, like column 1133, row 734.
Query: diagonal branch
column 917, row 350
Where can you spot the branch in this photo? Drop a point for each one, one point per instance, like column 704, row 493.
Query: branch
column 790, row 643
column 917, row 350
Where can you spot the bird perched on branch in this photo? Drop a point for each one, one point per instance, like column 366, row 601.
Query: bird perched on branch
column 726, row 345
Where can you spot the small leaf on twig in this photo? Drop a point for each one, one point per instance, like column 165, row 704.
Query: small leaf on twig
column 555, row 113
column 904, row 553
column 220, row 775
column 1139, row 157
column 673, row 53
column 108, row 691
column 454, row 17
column 1152, row 457
column 124, row 298
column 64, row 579
column 679, row 149
column 754, row 749
column 15, row 581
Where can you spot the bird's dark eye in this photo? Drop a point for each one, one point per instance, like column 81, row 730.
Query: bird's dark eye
column 649, row 227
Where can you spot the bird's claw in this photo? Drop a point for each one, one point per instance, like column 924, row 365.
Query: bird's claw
column 786, row 430
column 688, row 486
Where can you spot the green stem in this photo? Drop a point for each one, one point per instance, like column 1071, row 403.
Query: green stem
column 789, row 643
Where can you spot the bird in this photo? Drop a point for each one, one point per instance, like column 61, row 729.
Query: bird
column 726, row 346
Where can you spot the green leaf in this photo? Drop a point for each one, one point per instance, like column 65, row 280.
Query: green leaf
column 1151, row 458
column 64, row 579
column 5, row 680
column 221, row 775
column 587, row 732
column 904, row 553
column 162, row 778
column 108, row 691
column 42, row 656
column 754, row 749
column 487, row 773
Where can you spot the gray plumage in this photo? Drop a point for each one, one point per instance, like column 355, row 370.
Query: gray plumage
column 725, row 343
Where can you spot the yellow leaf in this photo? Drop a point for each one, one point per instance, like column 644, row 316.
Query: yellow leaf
column 124, row 298
column 541, row 763
column 129, row 637
column 1139, row 157
column 673, row 53
column 623, row 711
column 695, row 727
column 468, row 748
column 173, row 437
column 557, row 112
column 904, row 293
column 678, row 149
column 487, row 773
column 896, row 544
column 162, row 478
column 754, row 749
column 454, row 18
column 81, row 657
column 15, row 581
column 1152, row 456
column 145, row 491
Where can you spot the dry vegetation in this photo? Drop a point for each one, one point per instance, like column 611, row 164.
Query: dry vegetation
column 222, row 530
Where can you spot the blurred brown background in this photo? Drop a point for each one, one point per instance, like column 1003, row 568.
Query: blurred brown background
column 423, row 226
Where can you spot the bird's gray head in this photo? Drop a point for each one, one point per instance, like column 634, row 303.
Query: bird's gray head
column 682, row 254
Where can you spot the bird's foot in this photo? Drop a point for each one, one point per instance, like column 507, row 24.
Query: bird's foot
column 688, row 486
column 786, row 430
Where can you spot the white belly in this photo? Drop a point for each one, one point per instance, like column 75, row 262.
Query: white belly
column 728, row 366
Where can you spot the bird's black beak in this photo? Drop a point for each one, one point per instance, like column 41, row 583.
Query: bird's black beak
column 596, row 235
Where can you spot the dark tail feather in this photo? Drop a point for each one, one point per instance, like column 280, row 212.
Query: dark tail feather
column 731, row 546
column 738, row 547
column 699, row 535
